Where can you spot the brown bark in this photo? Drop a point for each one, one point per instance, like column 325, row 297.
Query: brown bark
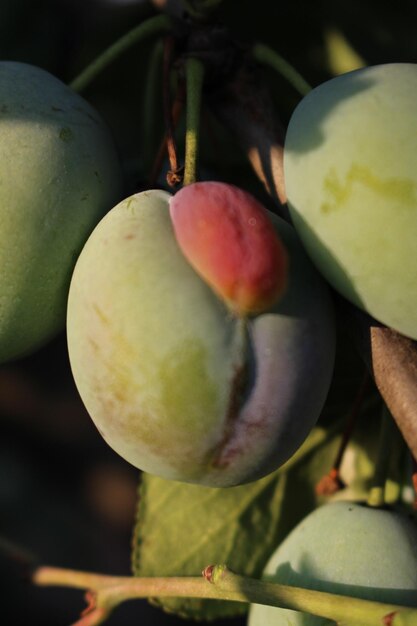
column 392, row 360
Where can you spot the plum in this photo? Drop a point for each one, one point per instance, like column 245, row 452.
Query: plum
column 59, row 173
column 350, row 176
column 349, row 549
column 178, row 385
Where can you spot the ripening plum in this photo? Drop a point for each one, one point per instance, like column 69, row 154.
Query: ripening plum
column 58, row 175
column 228, row 238
column 177, row 383
column 351, row 181
column 348, row 549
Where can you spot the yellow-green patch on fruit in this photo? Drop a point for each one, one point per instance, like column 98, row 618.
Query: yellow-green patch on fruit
column 351, row 181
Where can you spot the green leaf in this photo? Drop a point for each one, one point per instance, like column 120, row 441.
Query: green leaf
column 182, row 528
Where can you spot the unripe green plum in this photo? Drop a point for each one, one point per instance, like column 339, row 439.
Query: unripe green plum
column 351, row 181
column 348, row 549
column 178, row 385
column 59, row 173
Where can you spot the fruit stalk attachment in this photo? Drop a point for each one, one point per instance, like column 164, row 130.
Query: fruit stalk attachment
column 195, row 78
column 176, row 112
column 175, row 174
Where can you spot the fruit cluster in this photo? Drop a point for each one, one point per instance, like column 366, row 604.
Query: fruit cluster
column 201, row 336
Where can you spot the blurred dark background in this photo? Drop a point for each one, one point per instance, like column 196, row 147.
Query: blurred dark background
column 64, row 495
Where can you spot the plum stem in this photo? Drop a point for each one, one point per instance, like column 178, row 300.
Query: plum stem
column 105, row 593
column 376, row 496
column 153, row 26
column 195, row 78
column 267, row 56
column 177, row 108
column 332, row 482
column 175, row 173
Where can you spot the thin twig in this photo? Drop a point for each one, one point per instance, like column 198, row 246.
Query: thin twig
column 175, row 173
column 332, row 482
column 267, row 56
column 152, row 26
column 177, row 109
column 219, row 583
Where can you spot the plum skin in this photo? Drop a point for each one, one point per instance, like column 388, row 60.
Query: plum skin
column 226, row 236
column 349, row 164
column 154, row 354
column 349, row 549
column 59, row 173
